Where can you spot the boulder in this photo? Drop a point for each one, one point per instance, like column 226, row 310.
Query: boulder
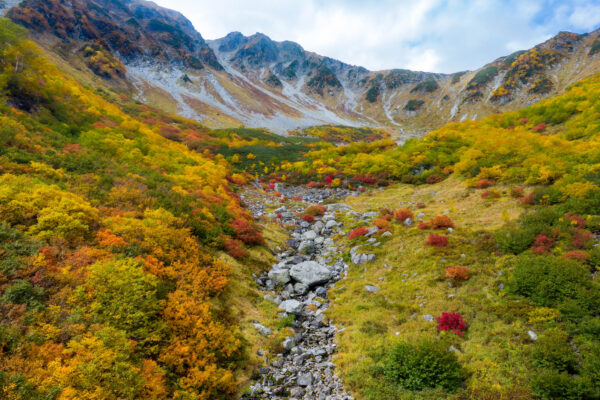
column 279, row 276
column 263, row 330
column 309, row 235
column 310, row 273
column 291, row 306
column 304, row 379
column 371, row 288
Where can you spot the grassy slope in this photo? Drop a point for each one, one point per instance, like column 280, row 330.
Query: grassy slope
column 413, row 284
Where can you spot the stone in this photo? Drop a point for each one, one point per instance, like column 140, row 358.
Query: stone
column 288, row 343
column 306, row 247
column 428, row 318
column 372, row 231
column 330, row 224
column 387, row 233
column 310, row 273
column 296, row 392
column 309, row 235
column 263, row 330
column 304, row 379
column 408, row 222
column 291, row 306
column 420, row 215
column 321, row 292
column 532, row 335
column 293, row 243
column 300, row 288
column 318, row 227
column 279, row 276
column 371, row 288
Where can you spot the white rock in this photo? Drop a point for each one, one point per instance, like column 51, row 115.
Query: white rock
column 310, row 273
column 291, row 306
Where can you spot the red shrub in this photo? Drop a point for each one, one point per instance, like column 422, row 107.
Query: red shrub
column 452, row 322
column 528, row 200
column 315, row 210
column 582, row 239
column 541, row 127
column 421, row 205
column 423, row 225
column 246, row 232
column 484, row 183
column 311, row 184
column 517, row 192
column 279, row 215
column 578, row 255
column 434, row 178
column 441, row 222
column 576, row 220
column 437, row 240
column 403, row 214
column 358, row 232
column 297, row 198
column 458, row 272
column 542, row 244
column 234, row 249
column 272, row 186
column 490, row 194
column 308, row 218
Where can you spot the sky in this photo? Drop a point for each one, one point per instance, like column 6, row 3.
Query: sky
column 426, row 35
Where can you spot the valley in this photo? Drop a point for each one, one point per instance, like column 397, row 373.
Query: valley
column 241, row 218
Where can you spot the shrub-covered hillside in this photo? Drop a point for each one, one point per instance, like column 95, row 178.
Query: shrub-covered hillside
column 108, row 278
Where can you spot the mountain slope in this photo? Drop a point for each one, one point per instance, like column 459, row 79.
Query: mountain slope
column 158, row 55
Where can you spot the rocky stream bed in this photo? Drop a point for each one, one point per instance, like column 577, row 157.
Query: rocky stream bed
column 298, row 283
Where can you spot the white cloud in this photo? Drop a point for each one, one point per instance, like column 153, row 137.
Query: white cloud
column 434, row 35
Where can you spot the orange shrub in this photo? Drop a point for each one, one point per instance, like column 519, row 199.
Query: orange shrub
column 315, row 210
column 458, row 272
column 490, row 194
column 528, row 200
column 382, row 223
column 423, row 225
column 441, row 222
column 421, row 205
column 403, row 214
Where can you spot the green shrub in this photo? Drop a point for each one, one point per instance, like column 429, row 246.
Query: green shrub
column 553, row 385
column 23, row 292
column 372, row 94
column 515, row 240
column 482, row 77
column 556, row 282
column 414, row 105
column 553, row 351
column 426, row 365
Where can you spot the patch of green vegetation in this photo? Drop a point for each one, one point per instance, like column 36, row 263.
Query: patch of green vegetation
column 512, row 58
column 595, row 47
column 456, row 76
column 324, row 77
column 372, row 94
column 414, row 105
column 273, row 81
column 427, row 86
column 482, row 77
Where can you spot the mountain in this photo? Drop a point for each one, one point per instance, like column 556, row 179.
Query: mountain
column 157, row 55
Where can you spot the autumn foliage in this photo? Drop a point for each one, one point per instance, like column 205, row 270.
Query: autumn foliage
column 437, row 240
column 452, row 321
column 358, row 232
column 403, row 214
column 458, row 272
column 441, row 222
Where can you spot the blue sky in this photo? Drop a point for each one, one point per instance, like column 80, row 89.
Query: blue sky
column 429, row 35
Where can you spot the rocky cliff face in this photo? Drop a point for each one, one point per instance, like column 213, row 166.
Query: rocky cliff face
column 258, row 82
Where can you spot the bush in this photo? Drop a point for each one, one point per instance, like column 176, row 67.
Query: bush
column 403, row 214
column 308, row 218
column 515, row 240
column 246, row 232
column 316, row 210
column 426, row 365
column 577, row 255
column 551, row 385
column 452, row 322
column 421, row 205
column 517, row 192
column 490, row 194
column 358, row 232
column 382, row 223
column 553, row 351
column 437, row 240
column 555, row 282
column 234, row 249
column 434, row 178
column 484, row 183
column 542, row 244
column 458, row 272
column 441, row 222
column 423, row 225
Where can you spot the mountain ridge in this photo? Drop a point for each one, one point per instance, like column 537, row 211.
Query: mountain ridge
column 258, row 82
